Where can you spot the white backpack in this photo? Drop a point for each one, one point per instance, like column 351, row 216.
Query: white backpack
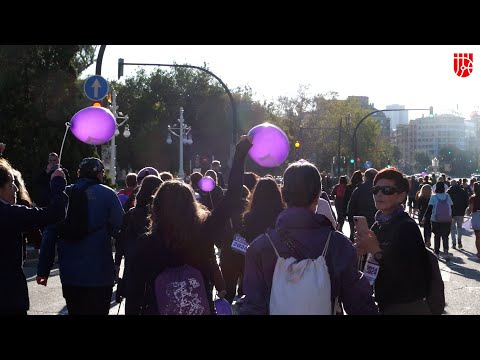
column 300, row 287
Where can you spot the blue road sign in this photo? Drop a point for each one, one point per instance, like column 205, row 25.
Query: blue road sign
column 95, row 87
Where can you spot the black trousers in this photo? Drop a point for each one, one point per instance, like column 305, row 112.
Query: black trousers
column 232, row 265
column 87, row 300
column 441, row 230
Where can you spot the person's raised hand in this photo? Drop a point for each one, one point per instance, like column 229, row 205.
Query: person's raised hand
column 244, row 144
column 58, row 172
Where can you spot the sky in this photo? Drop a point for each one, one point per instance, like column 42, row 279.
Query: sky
column 416, row 76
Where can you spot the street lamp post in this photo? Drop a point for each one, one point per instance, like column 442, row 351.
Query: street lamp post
column 340, row 130
column 435, row 163
column 184, row 137
column 126, row 133
column 354, row 138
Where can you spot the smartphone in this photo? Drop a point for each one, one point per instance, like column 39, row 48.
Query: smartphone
column 360, row 223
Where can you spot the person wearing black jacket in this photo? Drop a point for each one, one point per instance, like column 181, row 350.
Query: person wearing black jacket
column 396, row 245
column 183, row 232
column 459, row 197
column 135, row 223
column 361, row 203
column 15, row 219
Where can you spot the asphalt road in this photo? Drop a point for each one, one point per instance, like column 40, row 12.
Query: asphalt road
column 461, row 276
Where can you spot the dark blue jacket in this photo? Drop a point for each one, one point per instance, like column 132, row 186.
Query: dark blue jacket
column 14, row 219
column 310, row 232
column 88, row 262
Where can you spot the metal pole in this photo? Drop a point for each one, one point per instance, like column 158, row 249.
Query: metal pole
column 113, row 146
column 98, row 69
column 181, row 173
column 338, row 150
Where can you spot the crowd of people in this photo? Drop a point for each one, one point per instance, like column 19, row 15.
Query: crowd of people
column 158, row 222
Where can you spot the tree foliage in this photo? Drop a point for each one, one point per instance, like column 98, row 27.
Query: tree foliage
column 39, row 93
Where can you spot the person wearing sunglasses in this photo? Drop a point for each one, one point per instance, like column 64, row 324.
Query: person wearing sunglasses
column 396, row 244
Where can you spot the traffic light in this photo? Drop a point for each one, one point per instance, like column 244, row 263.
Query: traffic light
column 352, row 161
column 388, row 164
column 120, row 67
column 297, row 144
column 109, row 98
column 431, row 111
column 97, row 104
column 358, row 159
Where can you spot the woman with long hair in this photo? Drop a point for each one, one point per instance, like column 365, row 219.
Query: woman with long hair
column 182, row 232
column 15, row 219
column 32, row 237
column 135, row 223
column 355, row 180
column 265, row 205
column 424, row 195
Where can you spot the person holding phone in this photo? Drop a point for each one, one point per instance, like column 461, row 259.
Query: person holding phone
column 396, row 244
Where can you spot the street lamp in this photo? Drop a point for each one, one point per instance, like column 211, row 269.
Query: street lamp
column 435, row 164
column 354, row 140
column 126, row 133
column 185, row 138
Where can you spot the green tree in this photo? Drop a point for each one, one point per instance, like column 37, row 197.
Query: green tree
column 422, row 161
column 39, row 94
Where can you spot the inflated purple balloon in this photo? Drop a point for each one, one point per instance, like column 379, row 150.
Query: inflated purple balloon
column 206, row 183
column 424, row 174
column 270, row 145
column 222, row 307
column 93, row 125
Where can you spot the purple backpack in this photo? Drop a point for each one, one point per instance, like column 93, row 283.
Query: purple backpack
column 181, row 291
column 443, row 213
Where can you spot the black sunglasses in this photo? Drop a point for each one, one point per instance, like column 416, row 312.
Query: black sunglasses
column 386, row 190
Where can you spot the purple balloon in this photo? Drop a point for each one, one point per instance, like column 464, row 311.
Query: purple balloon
column 424, row 173
column 222, row 307
column 206, row 184
column 93, row 125
column 270, row 145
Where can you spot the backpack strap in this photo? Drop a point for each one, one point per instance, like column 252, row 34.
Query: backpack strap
column 297, row 253
column 271, row 242
column 324, row 252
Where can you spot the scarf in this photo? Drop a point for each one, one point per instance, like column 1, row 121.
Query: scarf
column 382, row 218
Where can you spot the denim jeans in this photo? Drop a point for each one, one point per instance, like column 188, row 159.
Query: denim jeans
column 456, row 229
